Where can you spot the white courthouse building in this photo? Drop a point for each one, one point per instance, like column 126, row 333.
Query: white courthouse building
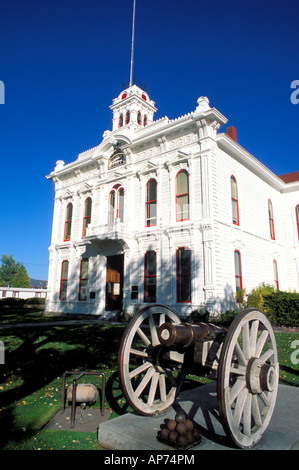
column 168, row 211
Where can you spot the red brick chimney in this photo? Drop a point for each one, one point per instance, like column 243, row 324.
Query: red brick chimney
column 232, row 133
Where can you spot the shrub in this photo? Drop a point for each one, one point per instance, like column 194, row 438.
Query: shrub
column 225, row 319
column 35, row 301
column 198, row 315
column 282, row 308
column 256, row 296
column 11, row 302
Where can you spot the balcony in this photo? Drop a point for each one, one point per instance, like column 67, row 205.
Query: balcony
column 109, row 235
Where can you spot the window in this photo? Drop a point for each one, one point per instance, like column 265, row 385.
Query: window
column 87, row 215
column 297, row 219
column 271, row 220
column 150, row 276
column 183, row 275
column 128, row 117
column 68, row 222
column 139, row 119
column 63, row 280
column 276, row 282
column 83, row 279
column 145, row 120
column 116, row 204
column 151, row 203
column 238, row 276
column 121, row 120
column 182, row 196
column 235, row 202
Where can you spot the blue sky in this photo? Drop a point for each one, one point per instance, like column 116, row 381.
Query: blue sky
column 63, row 61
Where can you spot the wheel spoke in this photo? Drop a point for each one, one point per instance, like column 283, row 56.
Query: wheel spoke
column 153, row 330
column 171, row 378
column 256, row 411
column 162, row 385
column 138, row 353
column 236, row 389
column 240, row 356
column 153, row 388
column 143, row 337
column 247, row 415
column 261, row 342
column 240, row 406
column 139, row 369
column 267, row 355
column 162, row 319
column 234, row 370
column 245, row 341
column 144, row 381
column 253, row 336
column 264, row 398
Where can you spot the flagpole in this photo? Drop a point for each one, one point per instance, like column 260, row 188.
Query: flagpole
column 132, row 48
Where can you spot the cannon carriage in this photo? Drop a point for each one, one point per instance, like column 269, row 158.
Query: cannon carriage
column 158, row 350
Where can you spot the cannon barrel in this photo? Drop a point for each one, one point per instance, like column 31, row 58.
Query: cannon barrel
column 186, row 334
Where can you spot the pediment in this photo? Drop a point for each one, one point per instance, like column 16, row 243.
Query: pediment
column 85, row 188
column 67, row 194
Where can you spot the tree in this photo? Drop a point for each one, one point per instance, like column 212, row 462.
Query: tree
column 8, row 270
column 21, row 278
column 13, row 273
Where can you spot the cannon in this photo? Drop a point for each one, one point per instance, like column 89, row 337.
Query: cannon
column 158, row 350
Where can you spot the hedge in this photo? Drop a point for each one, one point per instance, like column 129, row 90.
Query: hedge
column 16, row 302
column 282, row 308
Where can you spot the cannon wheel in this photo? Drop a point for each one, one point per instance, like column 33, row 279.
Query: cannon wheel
column 247, row 378
column 149, row 378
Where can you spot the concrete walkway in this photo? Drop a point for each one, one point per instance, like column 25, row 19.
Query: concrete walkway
column 134, row 432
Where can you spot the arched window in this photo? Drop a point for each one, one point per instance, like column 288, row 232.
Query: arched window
column 235, row 201
column 83, row 281
column 68, row 222
column 182, row 196
column 116, row 204
column 150, row 276
column 64, row 280
column 139, row 119
column 128, row 117
column 87, row 215
column 297, row 219
column 271, row 220
column 145, row 120
column 121, row 120
column 275, row 270
column 183, row 275
column 238, row 276
column 151, row 203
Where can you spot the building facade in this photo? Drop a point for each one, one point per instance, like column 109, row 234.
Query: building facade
column 168, row 211
column 22, row 292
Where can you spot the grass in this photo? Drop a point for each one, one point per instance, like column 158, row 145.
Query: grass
column 31, row 378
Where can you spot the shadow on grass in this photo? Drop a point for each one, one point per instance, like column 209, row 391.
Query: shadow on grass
column 41, row 355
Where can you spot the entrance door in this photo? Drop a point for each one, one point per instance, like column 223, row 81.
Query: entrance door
column 114, row 282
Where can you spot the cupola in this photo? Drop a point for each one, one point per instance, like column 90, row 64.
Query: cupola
column 132, row 105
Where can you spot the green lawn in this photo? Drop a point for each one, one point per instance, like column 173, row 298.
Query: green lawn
column 31, row 378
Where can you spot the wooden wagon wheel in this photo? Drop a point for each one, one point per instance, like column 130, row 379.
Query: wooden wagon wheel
column 150, row 376
column 247, row 379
